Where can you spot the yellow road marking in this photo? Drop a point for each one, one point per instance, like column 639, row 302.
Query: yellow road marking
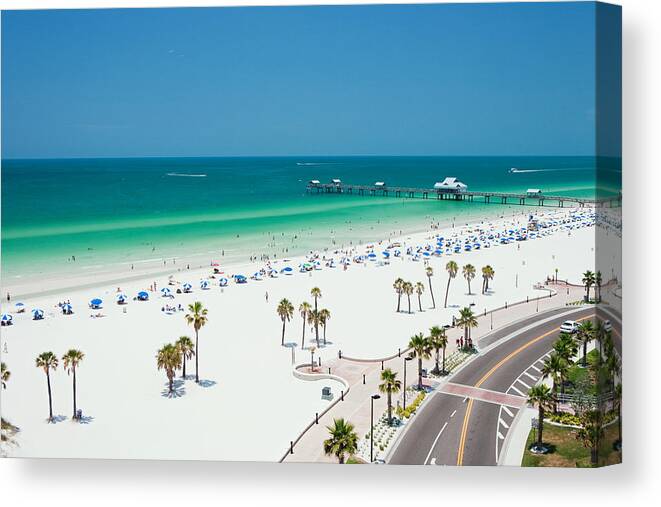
column 464, row 428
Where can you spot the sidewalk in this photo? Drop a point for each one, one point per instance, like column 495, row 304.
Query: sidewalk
column 356, row 405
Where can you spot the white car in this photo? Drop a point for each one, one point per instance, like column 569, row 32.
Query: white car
column 607, row 326
column 569, row 326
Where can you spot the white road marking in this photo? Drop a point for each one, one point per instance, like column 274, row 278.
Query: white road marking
column 524, row 384
column 500, row 435
column 508, row 411
column 503, row 423
column 535, row 368
column 433, row 461
column 435, row 440
column 520, row 393
column 529, row 375
column 452, row 414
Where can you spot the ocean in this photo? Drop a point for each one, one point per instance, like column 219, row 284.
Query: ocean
column 129, row 211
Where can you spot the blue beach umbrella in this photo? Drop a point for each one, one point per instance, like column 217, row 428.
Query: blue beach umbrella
column 143, row 295
column 223, row 282
column 96, row 303
column 37, row 314
column 121, row 298
column 187, row 287
column 6, row 318
column 287, row 270
column 166, row 292
column 67, row 309
column 240, row 278
column 204, row 284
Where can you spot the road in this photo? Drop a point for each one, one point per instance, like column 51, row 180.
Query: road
column 467, row 420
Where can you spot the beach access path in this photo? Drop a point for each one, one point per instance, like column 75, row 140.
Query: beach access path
column 356, row 405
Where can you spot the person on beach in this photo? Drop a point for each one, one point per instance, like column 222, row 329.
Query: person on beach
column 267, row 296
column 8, row 297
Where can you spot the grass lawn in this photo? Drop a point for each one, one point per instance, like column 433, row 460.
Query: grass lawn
column 566, row 451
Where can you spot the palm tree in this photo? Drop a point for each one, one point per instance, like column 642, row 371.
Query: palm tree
column 70, row 361
column 566, row 347
column 304, row 310
column 600, row 334
column 438, row 340
column 187, row 350
column 324, row 317
column 467, row 320
column 597, row 281
column 399, row 289
column 407, row 288
column 452, row 268
column 420, row 348
column 286, row 311
column 468, row 272
column 314, row 319
column 585, row 335
column 429, row 271
column 487, row 274
column 169, row 359
column 316, row 294
column 47, row 361
column 4, row 375
column 198, row 318
column 612, row 363
column 555, row 367
column 588, row 281
column 343, row 440
column 419, row 289
column 541, row 396
column 591, row 433
column 389, row 385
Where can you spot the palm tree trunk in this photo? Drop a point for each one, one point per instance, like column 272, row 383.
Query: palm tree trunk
column 409, row 298
column 170, row 382
column 419, row 303
column 183, row 373
column 594, row 456
column 420, row 373
column 389, row 407
column 585, row 353
column 431, row 291
column 340, row 459
column 436, row 365
column 50, row 398
column 74, row 392
column 324, row 334
column 540, row 426
column 469, row 287
column 303, row 339
column 447, row 291
column 197, row 355
column 399, row 301
column 283, row 332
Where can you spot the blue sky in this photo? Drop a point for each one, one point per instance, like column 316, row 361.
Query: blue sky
column 500, row 79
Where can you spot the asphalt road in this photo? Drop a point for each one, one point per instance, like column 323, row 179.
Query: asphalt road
column 453, row 430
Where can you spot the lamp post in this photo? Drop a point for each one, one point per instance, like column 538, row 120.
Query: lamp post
column 406, row 360
column 374, row 397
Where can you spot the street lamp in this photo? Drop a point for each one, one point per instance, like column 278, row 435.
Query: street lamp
column 374, row 397
column 406, row 360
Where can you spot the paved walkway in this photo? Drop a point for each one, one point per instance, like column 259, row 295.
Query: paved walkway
column 356, row 405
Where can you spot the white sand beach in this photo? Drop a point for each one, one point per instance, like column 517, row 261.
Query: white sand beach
column 248, row 405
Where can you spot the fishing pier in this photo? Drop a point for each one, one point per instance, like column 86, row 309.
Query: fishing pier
column 453, row 190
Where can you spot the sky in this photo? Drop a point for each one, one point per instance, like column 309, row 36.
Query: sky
column 489, row 79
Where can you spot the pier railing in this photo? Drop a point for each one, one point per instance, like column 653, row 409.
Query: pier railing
column 558, row 201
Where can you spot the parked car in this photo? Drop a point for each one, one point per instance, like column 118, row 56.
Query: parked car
column 608, row 326
column 569, row 326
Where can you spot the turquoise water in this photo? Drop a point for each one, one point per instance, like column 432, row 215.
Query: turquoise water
column 128, row 210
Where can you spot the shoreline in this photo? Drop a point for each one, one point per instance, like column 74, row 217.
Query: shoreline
column 28, row 288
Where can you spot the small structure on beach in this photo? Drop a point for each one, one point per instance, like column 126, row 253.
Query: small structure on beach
column 314, row 183
column 380, row 184
column 337, row 182
column 450, row 185
column 534, row 192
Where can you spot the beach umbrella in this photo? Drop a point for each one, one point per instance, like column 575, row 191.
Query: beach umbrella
column 223, row 282
column 96, row 302
column 121, row 298
column 287, row 270
column 6, row 318
column 187, row 287
column 165, row 291
column 385, row 254
column 273, row 272
column 143, row 295
column 257, row 276
column 372, row 256
column 204, row 284
column 20, row 307
column 67, row 309
column 240, row 278
column 37, row 313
